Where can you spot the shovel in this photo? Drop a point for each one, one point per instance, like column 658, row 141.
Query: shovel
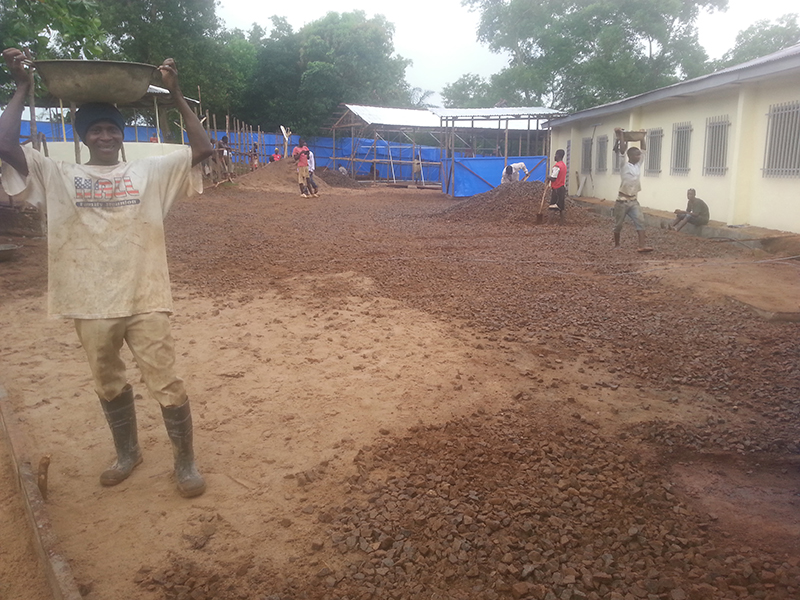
column 540, row 216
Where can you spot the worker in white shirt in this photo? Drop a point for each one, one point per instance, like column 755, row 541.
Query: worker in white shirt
column 511, row 172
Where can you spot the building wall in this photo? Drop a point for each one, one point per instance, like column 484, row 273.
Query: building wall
column 742, row 195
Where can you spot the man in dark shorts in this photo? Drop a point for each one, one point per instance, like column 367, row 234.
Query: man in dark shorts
column 558, row 182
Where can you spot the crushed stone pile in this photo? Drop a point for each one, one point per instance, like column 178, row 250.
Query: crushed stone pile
column 493, row 508
column 516, row 202
column 335, row 179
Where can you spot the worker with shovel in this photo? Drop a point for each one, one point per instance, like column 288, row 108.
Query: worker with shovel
column 107, row 263
column 558, row 183
column 627, row 204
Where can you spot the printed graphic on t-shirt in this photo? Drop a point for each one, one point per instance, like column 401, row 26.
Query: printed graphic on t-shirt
column 105, row 193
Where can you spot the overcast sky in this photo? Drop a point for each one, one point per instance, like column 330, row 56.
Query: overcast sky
column 439, row 35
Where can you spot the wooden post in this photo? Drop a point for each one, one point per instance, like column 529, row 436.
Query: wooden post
column 528, row 140
column 215, row 163
column 76, row 141
column 63, row 125
column 505, row 151
column 158, row 127
column 333, row 150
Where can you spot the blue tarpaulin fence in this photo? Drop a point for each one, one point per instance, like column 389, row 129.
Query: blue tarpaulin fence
column 469, row 176
column 391, row 161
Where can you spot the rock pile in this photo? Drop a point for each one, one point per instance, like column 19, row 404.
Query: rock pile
column 493, row 508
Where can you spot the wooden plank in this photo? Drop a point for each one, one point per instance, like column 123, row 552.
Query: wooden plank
column 57, row 570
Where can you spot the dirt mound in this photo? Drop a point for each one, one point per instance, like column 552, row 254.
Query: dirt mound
column 517, row 202
column 336, row 179
column 276, row 176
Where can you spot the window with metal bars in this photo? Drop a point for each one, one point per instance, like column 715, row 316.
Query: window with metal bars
column 715, row 161
column 655, row 137
column 681, row 144
column 586, row 156
column 617, row 160
column 602, row 154
column 782, row 153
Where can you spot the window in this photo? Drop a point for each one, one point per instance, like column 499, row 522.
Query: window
column 619, row 160
column 654, row 139
column 586, row 156
column 602, row 154
column 715, row 161
column 681, row 142
column 782, row 154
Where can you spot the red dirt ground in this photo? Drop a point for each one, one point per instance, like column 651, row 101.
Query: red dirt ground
column 400, row 395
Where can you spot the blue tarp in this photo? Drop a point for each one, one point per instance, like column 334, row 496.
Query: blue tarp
column 462, row 177
column 469, row 176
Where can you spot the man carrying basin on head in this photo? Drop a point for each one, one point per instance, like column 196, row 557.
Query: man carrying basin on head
column 107, row 264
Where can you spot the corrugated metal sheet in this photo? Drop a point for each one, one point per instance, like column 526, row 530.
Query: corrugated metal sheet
column 477, row 118
column 400, row 117
column 525, row 112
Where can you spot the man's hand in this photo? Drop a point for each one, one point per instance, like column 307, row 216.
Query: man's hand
column 169, row 76
column 15, row 61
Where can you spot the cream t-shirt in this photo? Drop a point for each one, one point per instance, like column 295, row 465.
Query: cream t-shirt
column 105, row 230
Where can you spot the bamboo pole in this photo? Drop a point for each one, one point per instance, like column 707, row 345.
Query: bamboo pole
column 63, row 125
column 158, row 124
column 76, row 142
column 32, row 107
column 506, row 146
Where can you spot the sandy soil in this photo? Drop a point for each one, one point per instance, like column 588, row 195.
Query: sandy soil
column 320, row 337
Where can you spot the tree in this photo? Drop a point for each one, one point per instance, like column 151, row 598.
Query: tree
column 575, row 54
column 56, row 28
column 53, row 29
column 301, row 77
column 468, row 91
column 189, row 31
column 760, row 39
column 361, row 52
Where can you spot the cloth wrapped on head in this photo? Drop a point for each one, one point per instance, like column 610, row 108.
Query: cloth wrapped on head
column 92, row 112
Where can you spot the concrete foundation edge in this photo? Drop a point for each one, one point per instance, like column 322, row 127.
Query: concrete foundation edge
column 57, row 570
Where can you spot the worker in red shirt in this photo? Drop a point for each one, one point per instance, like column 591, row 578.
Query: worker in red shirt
column 300, row 155
column 558, row 182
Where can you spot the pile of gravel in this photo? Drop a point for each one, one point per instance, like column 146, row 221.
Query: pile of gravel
column 336, row 179
column 489, row 508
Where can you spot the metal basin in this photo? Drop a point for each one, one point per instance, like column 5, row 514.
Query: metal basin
column 81, row 81
column 634, row 136
column 7, row 251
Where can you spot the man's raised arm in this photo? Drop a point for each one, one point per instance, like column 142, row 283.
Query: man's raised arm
column 11, row 119
column 198, row 140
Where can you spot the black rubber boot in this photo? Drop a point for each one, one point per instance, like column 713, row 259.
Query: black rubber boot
column 178, row 420
column 121, row 416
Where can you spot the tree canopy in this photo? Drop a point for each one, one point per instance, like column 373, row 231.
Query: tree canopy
column 565, row 54
column 575, row 54
column 762, row 38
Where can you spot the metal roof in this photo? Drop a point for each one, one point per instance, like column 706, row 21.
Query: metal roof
column 777, row 63
column 399, row 117
column 501, row 113
column 464, row 118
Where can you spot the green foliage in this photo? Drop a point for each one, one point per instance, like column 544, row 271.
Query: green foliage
column 579, row 53
column 52, row 29
column 56, row 28
column 301, row 77
column 469, row 91
column 762, row 38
